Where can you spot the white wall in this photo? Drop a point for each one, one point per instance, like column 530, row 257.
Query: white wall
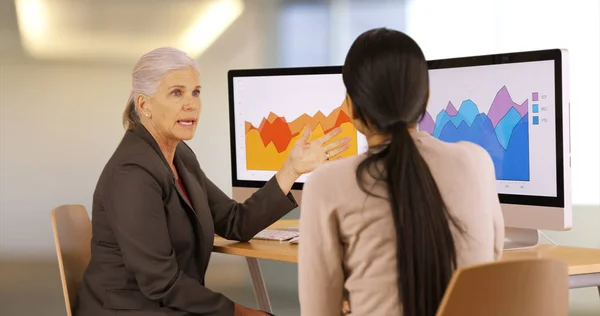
column 58, row 125
column 60, row 122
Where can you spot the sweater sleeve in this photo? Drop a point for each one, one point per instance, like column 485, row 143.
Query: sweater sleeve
column 320, row 269
column 488, row 185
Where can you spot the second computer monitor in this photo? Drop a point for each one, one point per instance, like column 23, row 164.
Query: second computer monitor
column 514, row 105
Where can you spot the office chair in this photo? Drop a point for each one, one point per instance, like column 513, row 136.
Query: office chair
column 528, row 287
column 72, row 234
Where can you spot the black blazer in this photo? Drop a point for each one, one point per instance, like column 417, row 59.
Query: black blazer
column 151, row 245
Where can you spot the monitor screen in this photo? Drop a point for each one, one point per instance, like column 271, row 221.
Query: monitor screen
column 270, row 113
column 508, row 109
column 510, row 104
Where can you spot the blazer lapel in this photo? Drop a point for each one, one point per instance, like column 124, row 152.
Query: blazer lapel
column 195, row 203
column 192, row 187
column 182, row 195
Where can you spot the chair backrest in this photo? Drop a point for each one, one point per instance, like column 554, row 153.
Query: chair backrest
column 72, row 236
column 532, row 287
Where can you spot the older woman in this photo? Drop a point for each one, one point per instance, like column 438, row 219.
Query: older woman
column 155, row 212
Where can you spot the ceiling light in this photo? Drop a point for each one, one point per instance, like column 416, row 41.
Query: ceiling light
column 33, row 23
column 45, row 35
column 211, row 23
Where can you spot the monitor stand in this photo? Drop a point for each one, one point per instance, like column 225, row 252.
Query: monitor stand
column 520, row 238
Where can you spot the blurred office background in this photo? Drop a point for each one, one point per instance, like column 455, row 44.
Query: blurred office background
column 65, row 76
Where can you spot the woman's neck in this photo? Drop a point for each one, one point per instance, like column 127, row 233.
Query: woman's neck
column 167, row 146
column 376, row 139
column 168, row 150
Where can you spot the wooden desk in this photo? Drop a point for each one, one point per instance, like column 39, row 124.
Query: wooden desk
column 584, row 263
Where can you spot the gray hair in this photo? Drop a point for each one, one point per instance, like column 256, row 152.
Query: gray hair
column 146, row 76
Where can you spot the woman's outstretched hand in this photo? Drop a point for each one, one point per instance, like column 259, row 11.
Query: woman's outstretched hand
column 306, row 156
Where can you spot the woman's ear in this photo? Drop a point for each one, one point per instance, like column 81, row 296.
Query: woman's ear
column 144, row 107
column 347, row 105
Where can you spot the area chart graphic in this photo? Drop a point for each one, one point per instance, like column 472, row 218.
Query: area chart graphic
column 269, row 144
column 503, row 131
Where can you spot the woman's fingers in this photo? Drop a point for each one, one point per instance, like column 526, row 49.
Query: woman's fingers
column 329, row 136
column 334, row 152
column 305, row 134
column 337, row 143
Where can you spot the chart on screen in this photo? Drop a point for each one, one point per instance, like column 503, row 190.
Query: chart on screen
column 269, row 143
column 502, row 129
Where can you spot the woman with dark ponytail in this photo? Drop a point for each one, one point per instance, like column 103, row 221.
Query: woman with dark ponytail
column 385, row 230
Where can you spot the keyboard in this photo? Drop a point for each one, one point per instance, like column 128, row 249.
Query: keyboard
column 275, row 234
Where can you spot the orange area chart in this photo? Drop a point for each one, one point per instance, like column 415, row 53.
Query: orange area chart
column 268, row 146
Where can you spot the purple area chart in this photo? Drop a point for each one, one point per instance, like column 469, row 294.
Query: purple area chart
column 503, row 131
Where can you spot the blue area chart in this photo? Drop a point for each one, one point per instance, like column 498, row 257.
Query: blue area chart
column 503, row 132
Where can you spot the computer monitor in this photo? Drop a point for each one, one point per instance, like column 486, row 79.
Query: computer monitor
column 268, row 108
column 515, row 105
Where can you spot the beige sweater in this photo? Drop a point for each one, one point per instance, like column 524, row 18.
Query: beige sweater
column 347, row 246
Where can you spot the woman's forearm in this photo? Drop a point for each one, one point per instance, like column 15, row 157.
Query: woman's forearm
column 286, row 176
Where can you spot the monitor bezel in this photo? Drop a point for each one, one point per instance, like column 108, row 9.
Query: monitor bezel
column 261, row 72
column 458, row 62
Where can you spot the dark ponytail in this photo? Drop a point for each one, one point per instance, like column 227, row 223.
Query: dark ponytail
column 425, row 248
column 386, row 77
